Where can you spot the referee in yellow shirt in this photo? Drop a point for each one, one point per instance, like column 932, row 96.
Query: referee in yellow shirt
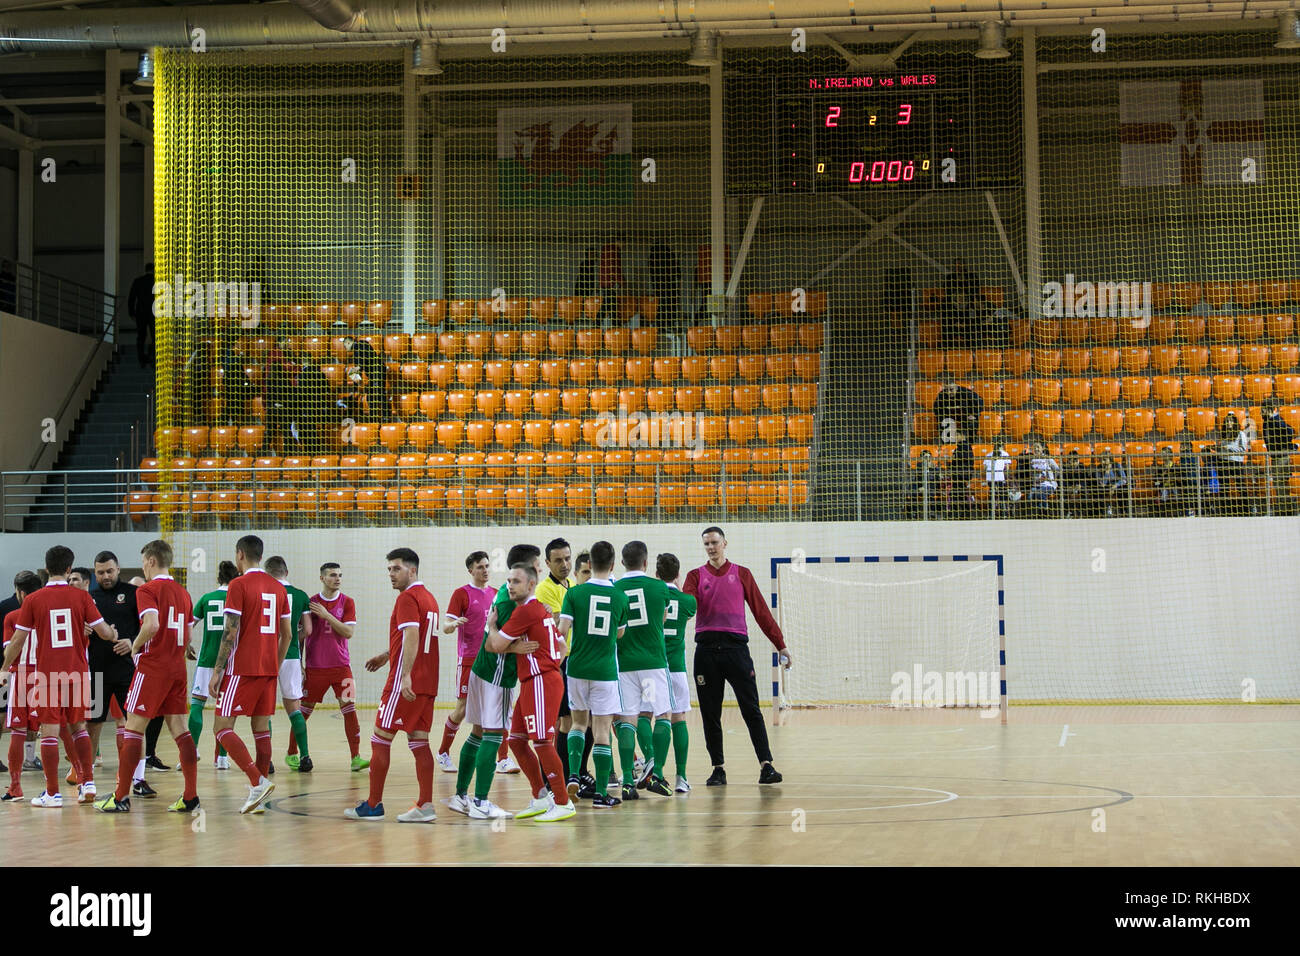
column 559, row 561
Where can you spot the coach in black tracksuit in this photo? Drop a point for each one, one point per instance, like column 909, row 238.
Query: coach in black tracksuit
column 723, row 590
column 111, row 672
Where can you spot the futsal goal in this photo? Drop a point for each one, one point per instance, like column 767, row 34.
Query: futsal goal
column 902, row 631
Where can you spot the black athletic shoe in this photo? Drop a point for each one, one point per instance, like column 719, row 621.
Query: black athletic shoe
column 604, row 801
column 717, row 779
column 587, row 791
column 659, row 785
column 629, row 793
column 646, row 776
column 305, row 765
column 184, row 806
column 270, row 770
column 3, row 768
column 769, row 774
column 573, row 785
column 153, row 763
column 587, row 780
column 141, row 788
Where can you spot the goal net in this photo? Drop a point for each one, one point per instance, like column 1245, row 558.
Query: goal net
column 910, row 633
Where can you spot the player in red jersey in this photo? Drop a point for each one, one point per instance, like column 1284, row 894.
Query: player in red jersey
column 257, row 609
column 541, row 685
column 407, row 701
column 19, row 717
column 159, row 686
column 58, row 618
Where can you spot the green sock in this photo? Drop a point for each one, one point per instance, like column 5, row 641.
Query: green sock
column 221, row 751
column 627, row 752
column 603, row 759
column 485, row 767
column 577, row 743
column 465, row 773
column 196, row 718
column 681, row 744
column 663, row 737
column 645, row 740
column 298, row 723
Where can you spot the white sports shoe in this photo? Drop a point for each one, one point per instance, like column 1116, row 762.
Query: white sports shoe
column 536, row 807
column 507, row 765
column 49, row 801
column 458, row 804
column 423, row 814
column 256, row 795
column 682, row 785
column 86, row 792
column 445, row 763
column 558, row 812
column 223, row 763
column 487, row 810
column 639, row 768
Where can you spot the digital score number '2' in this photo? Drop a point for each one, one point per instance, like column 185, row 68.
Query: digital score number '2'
column 878, row 170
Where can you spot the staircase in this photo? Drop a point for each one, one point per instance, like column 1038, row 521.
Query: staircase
column 100, row 437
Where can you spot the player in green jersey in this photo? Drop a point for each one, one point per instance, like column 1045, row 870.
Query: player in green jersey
column 492, row 681
column 208, row 612
column 594, row 613
column 681, row 608
column 643, row 676
column 291, row 666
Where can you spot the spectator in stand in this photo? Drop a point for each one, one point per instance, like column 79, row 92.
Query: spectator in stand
column 279, row 402
column 1234, row 441
column 1114, row 483
column 585, row 279
column 315, row 409
column 997, row 466
column 957, row 409
column 926, row 486
column 366, row 369
column 1078, row 483
column 1167, row 481
column 139, row 305
column 961, row 294
column 1047, row 470
column 664, row 279
column 1279, row 439
column 962, row 471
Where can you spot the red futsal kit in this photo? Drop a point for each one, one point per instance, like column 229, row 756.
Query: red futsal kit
column 414, row 607
column 249, row 685
column 160, row 685
column 56, row 619
column 541, row 685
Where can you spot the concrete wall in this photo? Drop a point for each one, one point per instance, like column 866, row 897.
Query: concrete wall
column 1124, row 609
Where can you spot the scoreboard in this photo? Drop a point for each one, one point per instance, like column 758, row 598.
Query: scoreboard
column 902, row 131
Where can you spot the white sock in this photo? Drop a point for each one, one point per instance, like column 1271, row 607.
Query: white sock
column 29, row 750
column 139, row 771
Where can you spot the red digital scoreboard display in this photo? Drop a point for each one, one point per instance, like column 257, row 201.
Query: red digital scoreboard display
column 872, row 131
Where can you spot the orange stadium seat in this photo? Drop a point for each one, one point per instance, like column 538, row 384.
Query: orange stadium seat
column 1015, row 392
column 1246, row 293
column 207, row 471
column 618, row 462
column 561, row 341
column 589, row 341
column 1284, row 357
column 1219, row 328
column 1164, row 358
column 1105, row 360
column 460, row 402
column 1104, row 330
column 471, row 464
column 1279, row 325
column 1250, row 328
column 497, row 373
column 638, row 369
column 1136, row 389
column 988, row 362
column 659, row 399
column 489, row 402
column 728, row 338
column 1047, row 391
column 808, row 366
column 478, row 344
column 1108, row 422
column 990, row 392
column 441, row 466
column 1074, row 331
column 506, row 343
column 1047, row 423
column 353, row 467
column 776, row 397
column 1191, row 328
column 1077, row 422
column 433, row 404
column 702, row 497
column 1163, row 329
column 469, row 374
column 1076, row 391
column 1224, row 357
column 1047, row 361
column 1227, row 388
column 1287, row 388
column 695, row 368
column 1021, row 331
column 667, row 369
column 1105, row 390
column 990, row 426
column 553, row 371
column 1197, row 388
column 194, row 439
column 1139, row 421
column 392, row 435
column 930, row 362
column 509, row 433
column 1258, row 388
column 582, row 371
column 631, row 399
column 1134, row 358
column 381, row 468
column 1254, row 357
column 1217, row 294
column 424, row 345
column 222, row 439
column 1018, row 423
column 771, row 429
column 924, row 393
column 812, row 334
column 408, row 404
column 800, row 429
column 754, row 337
column 1196, row 358
column 1076, row 361
column 794, row 460
column 450, row 434
column 744, row 398
column 1170, row 421
column 925, row 426
column 1201, row 421
column 959, row 362
column 1275, row 292
column 441, row 374
column 723, row 367
column 1016, row 363
column 689, row 399
column 1166, row 389
column 765, row 461
column 1187, row 295
column 518, row 402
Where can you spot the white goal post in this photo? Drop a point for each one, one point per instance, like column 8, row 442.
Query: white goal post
column 900, row 630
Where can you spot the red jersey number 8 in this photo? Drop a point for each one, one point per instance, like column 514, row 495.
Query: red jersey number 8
column 60, row 627
column 268, row 609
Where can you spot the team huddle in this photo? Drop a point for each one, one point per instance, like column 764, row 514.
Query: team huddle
column 555, row 670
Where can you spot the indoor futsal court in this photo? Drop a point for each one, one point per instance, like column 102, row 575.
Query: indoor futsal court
column 727, row 433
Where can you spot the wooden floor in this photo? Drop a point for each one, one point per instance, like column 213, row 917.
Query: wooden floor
column 1174, row 786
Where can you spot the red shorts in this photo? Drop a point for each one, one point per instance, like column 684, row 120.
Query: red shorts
column 538, row 706
column 152, row 695
column 19, row 714
column 321, row 679
column 463, row 666
column 62, row 698
column 247, row 696
column 397, row 713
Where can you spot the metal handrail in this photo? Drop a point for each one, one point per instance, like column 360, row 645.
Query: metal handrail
column 53, row 300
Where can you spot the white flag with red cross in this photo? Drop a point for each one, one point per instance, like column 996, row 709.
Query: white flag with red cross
column 1190, row 132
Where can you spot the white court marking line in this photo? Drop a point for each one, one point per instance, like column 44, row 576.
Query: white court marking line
column 1065, row 732
column 1072, row 755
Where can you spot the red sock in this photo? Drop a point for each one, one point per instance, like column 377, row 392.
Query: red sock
column 16, row 740
column 448, row 735
column 189, row 764
column 352, row 727
column 554, row 770
column 423, row 755
column 237, row 752
column 69, row 748
column 527, row 761
column 380, row 752
column 50, row 763
column 128, row 755
column 504, row 748
column 262, row 744
column 85, row 751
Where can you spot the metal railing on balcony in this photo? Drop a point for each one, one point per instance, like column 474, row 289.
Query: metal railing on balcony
column 54, row 300
column 357, row 495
